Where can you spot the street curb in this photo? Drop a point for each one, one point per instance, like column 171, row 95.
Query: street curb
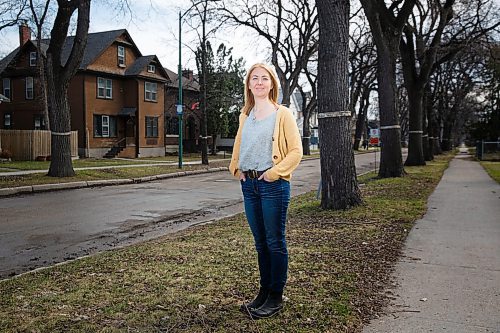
column 11, row 191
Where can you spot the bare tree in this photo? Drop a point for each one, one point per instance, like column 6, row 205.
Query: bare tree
column 59, row 73
column 386, row 25
column 309, row 104
column 362, row 60
column 339, row 186
column 39, row 13
column 12, row 12
column 419, row 46
column 290, row 28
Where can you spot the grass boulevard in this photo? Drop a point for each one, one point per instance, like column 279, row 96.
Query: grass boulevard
column 195, row 280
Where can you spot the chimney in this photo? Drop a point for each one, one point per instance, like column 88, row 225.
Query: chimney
column 24, row 33
column 188, row 74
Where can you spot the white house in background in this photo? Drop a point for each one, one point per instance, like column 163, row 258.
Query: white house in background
column 296, row 108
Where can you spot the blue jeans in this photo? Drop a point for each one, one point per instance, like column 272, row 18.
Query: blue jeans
column 266, row 205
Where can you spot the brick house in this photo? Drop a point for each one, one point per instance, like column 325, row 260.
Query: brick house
column 191, row 113
column 117, row 97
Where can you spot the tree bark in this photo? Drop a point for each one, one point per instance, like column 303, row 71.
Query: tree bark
column 339, row 186
column 58, row 78
column 415, row 148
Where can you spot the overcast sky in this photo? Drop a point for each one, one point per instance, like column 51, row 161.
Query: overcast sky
column 154, row 29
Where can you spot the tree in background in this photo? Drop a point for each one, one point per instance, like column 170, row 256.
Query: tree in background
column 290, row 28
column 339, row 186
column 386, row 25
column 39, row 11
column 224, row 85
column 419, row 45
column 12, row 12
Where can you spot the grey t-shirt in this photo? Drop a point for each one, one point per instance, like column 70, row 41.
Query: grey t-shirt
column 257, row 143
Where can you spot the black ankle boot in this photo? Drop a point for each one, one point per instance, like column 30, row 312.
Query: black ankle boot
column 257, row 302
column 272, row 305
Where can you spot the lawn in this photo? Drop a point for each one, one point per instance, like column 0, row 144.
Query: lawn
column 493, row 169
column 194, row 280
column 102, row 174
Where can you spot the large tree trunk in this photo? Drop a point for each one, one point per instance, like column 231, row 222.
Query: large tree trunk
column 391, row 159
column 415, row 149
column 339, row 186
column 58, row 78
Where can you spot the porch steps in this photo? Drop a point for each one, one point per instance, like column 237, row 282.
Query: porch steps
column 113, row 152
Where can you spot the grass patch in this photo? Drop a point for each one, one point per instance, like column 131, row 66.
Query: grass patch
column 194, row 281
column 102, row 174
column 493, row 169
column 99, row 162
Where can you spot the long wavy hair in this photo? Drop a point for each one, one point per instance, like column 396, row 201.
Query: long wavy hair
column 273, row 93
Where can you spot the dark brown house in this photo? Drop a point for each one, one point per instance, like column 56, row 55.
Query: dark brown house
column 191, row 113
column 117, row 97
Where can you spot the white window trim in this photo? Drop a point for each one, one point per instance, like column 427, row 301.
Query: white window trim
column 32, row 59
column 153, row 93
column 6, row 87
column 121, row 56
column 30, row 87
column 151, row 68
column 105, row 127
column 7, row 117
column 107, row 86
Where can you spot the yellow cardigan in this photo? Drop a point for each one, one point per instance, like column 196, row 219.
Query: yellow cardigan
column 287, row 146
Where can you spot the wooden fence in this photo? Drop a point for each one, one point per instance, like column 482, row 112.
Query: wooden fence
column 26, row 145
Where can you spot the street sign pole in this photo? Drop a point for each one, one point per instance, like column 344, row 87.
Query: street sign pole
column 179, row 104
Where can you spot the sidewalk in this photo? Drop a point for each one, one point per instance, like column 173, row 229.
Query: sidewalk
column 448, row 279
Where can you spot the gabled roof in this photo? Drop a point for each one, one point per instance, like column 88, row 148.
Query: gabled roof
column 141, row 64
column 186, row 83
column 97, row 43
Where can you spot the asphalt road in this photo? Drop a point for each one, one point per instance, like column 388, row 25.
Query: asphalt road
column 42, row 229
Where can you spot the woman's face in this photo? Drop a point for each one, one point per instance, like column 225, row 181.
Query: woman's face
column 260, row 83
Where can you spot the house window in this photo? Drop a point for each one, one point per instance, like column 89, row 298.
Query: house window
column 104, row 88
column 6, row 88
column 104, row 126
column 121, row 56
column 39, row 121
column 7, row 120
column 32, row 59
column 150, row 91
column 151, row 127
column 172, row 125
column 151, row 68
column 29, row 87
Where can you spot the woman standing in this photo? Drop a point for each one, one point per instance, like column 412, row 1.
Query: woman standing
column 267, row 149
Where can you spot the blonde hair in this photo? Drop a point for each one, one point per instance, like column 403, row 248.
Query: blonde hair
column 273, row 93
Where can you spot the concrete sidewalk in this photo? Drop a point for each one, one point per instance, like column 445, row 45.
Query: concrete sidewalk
column 448, row 279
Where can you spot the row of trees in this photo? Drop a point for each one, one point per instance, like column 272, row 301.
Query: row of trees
column 423, row 59
column 401, row 49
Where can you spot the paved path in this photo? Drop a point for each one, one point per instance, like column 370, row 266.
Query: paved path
column 449, row 277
